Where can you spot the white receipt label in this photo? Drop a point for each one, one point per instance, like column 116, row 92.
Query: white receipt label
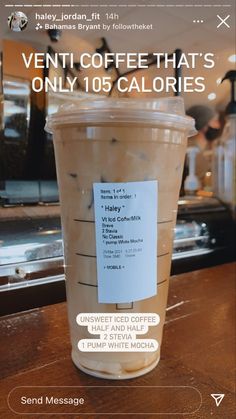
column 126, row 240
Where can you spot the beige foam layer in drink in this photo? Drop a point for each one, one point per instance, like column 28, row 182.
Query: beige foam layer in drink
column 115, row 153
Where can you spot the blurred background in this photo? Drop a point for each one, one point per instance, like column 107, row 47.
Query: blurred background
column 31, row 253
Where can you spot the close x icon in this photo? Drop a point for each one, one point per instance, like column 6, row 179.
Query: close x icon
column 223, row 21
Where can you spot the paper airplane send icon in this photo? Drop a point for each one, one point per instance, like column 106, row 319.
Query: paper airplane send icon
column 218, row 398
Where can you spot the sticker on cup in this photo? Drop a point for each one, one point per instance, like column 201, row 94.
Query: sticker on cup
column 126, row 240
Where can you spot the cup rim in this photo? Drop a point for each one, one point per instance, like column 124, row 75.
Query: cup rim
column 168, row 112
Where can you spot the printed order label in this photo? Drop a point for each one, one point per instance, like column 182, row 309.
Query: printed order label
column 126, row 240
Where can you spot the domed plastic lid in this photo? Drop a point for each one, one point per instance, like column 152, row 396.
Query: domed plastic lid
column 167, row 112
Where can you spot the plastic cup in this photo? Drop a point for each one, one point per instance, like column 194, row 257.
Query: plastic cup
column 116, row 140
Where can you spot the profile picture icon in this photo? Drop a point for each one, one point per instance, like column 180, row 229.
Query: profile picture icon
column 17, row 21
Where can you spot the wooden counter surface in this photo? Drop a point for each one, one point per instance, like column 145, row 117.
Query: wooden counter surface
column 26, row 212
column 198, row 350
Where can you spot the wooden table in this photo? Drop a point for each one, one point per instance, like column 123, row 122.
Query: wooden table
column 198, row 351
column 26, row 212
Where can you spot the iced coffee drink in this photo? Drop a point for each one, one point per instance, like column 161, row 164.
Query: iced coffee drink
column 114, row 142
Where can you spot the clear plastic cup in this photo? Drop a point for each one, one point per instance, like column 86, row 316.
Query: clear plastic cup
column 116, row 140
